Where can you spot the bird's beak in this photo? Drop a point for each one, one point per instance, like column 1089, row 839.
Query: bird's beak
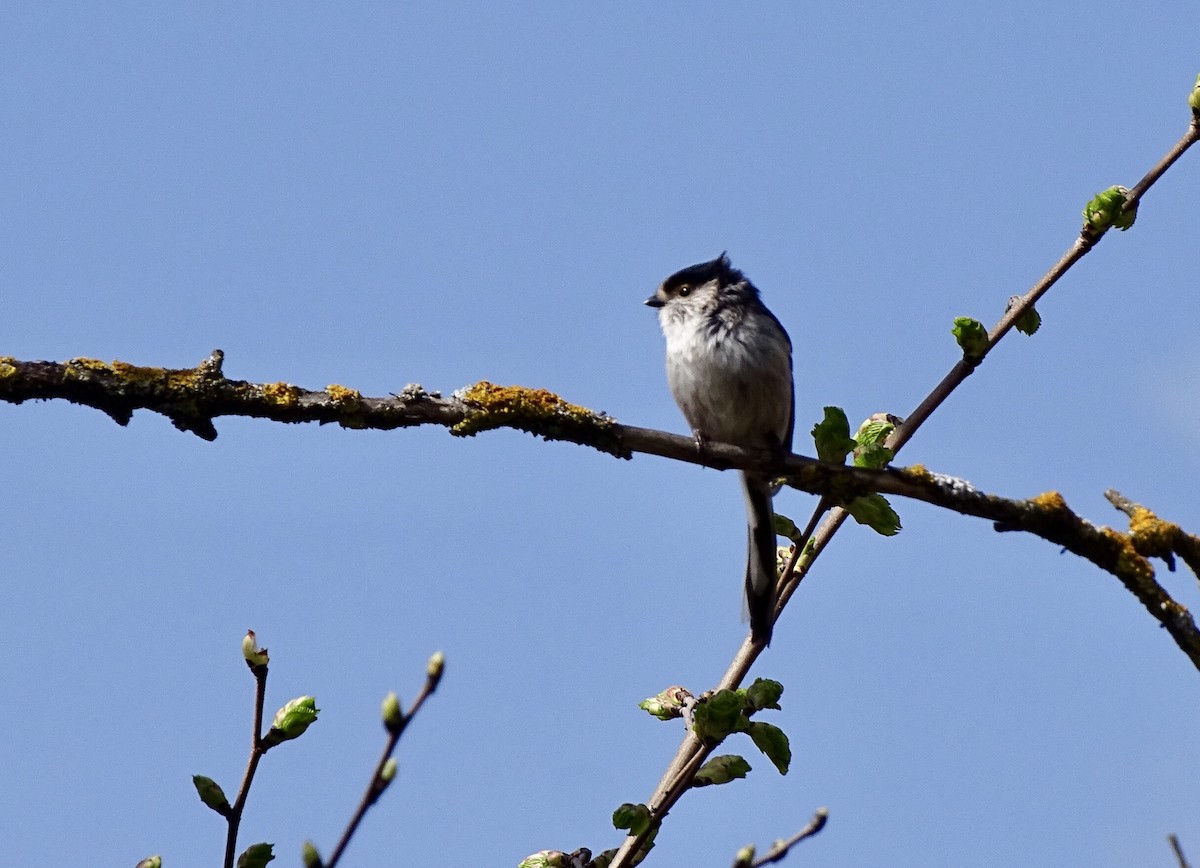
column 654, row 301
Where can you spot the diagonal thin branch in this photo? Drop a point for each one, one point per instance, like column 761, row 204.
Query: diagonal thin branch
column 379, row 781
column 781, row 848
column 672, row 785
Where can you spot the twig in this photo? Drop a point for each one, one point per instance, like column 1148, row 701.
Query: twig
column 379, row 783
column 257, row 750
column 781, row 848
column 1183, row 862
column 1154, row 537
column 1175, row 617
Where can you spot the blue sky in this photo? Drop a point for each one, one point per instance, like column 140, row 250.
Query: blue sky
column 375, row 194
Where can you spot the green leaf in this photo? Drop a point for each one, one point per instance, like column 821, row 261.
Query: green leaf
column 256, row 856
column 971, row 336
column 874, row 456
column 773, row 742
column 212, row 794
column 832, row 436
column 1028, row 322
column 721, row 770
column 869, row 450
column 875, row 512
column 1194, row 96
column 785, row 527
column 875, row 430
column 150, row 862
column 764, row 693
column 1107, row 209
column 718, row 715
column 634, row 818
column 292, row 720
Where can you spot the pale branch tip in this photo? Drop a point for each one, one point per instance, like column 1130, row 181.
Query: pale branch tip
column 783, row 847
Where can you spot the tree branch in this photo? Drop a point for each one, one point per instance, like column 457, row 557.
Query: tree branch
column 669, row 788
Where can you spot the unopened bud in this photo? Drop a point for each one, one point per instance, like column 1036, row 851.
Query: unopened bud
column 388, row 773
column 254, row 655
column 545, row 859
column 744, row 857
column 211, row 794
column 310, row 855
column 393, row 715
column 668, row 704
column 434, row 669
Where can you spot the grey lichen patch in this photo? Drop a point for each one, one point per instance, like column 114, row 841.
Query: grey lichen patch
column 415, row 392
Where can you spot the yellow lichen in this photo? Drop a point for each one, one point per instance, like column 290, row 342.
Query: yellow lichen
column 536, row 411
column 7, row 368
column 1151, row 535
column 136, row 375
column 343, row 395
column 522, row 401
column 1050, row 501
column 283, row 394
column 919, row 472
column 1129, row 563
column 76, row 367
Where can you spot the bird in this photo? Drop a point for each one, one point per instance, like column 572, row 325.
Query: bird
column 729, row 368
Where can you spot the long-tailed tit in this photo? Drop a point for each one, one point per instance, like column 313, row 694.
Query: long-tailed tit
column 729, row 366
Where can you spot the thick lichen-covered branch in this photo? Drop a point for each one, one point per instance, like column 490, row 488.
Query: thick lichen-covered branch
column 1124, row 555
column 194, row 397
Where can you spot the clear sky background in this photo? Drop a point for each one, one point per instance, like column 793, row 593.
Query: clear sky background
column 375, row 194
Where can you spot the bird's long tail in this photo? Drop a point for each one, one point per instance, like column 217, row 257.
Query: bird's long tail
column 761, row 572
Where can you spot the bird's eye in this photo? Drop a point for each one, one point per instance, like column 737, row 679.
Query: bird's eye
column 685, row 290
